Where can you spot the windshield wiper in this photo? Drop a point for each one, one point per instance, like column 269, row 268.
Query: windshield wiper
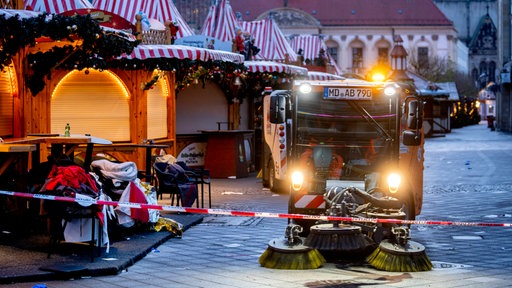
column 368, row 117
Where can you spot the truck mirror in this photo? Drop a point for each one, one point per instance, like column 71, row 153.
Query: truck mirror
column 411, row 138
column 277, row 109
column 414, row 115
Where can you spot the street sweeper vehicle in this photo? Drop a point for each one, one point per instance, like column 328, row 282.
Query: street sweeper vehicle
column 349, row 148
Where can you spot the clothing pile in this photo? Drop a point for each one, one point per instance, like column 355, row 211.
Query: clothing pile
column 67, row 179
column 120, row 183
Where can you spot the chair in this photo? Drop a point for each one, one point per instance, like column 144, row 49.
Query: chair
column 202, row 177
column 61, row 214
column 167, row 183
column 177, row 182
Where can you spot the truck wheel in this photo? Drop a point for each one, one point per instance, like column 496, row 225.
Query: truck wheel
column 272, row 185
column 275, row 185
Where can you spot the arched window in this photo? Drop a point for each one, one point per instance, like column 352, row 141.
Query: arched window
column 332, row 49
column 483, row 68
column 475, row 75
column 492, row 71
column 383, row 50
column 357, row 50
column 423, row 62
column 92, row 102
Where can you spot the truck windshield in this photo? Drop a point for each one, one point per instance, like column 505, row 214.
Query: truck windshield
column 344, row 139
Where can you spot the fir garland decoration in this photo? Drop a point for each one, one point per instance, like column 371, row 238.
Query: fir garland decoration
column 94, row 43
column 97, row 48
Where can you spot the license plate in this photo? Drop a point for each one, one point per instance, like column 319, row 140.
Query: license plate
column 348, row 93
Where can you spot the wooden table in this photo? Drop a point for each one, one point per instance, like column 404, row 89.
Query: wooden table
column 15, row 150
column 60, row 143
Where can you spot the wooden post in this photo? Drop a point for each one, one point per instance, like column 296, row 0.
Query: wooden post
column 168, row 36
column 138, row 27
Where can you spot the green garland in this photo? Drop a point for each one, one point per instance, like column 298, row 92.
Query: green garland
column 95, row 43
column 100, row 49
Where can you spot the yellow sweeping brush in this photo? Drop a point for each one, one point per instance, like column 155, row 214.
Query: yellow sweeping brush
column 289, row 252
column 400, row 254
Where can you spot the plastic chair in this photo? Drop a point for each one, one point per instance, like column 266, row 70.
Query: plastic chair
column 167, row 182
column 201, row 178
column 176, row 180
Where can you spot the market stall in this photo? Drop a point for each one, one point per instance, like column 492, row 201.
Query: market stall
column 313, row 47
column 129, row 99
column 160, row 10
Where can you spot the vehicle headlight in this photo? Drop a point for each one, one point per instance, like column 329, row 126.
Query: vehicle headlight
column 390, row 90
column 297, row 180
column 393, row 182
column 305, row 88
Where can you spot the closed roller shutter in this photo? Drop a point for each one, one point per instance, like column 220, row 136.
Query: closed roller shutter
column 157, row 109
column 6, row 103
column 96, row 103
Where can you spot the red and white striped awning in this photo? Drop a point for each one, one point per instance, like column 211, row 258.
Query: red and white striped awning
column 209, row 22
column 56, row 6
column 160, row 10
column 321, row 76
column 221, row 22
column 269, row 38
column 163, row 10
column 182, row 52
column 271, row 67
column 125, row 9
column 311, row 45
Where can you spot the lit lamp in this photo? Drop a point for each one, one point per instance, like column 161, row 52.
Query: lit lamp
column 237, row 81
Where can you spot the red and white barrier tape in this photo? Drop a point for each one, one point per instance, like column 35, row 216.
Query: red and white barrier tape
column 89, row 201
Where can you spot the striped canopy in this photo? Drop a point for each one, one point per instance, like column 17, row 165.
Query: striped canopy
column 311, row 45
column 315, row 75
column 271, row 67
column 182, row 52
column 269, row 38
column 56, row 6
column 221, row 22
column 160, row 10
column 209, row 24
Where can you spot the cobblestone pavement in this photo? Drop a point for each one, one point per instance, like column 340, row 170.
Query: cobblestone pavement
column 467, row 179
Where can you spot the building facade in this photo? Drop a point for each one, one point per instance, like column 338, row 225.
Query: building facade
column 359, row 34
column 503, row 102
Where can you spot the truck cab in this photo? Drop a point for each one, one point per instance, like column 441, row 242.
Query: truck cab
column 346, row 133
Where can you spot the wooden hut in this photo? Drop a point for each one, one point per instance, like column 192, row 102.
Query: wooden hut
column 126, row 95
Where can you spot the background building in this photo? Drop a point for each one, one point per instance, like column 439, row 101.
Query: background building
column 503, row 103
column 360, row 34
